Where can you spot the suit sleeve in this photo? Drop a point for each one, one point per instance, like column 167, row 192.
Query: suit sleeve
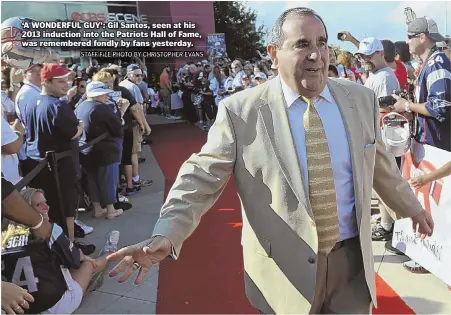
column 199, row 183
column 394, row 190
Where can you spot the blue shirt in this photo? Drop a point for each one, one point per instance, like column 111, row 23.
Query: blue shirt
column 434, row 89
column 51, row 124
column 340, row 154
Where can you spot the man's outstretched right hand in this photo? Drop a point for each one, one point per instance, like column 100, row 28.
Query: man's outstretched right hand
column 141, row 256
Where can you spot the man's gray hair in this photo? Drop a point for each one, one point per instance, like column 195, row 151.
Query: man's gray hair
column 277, row 37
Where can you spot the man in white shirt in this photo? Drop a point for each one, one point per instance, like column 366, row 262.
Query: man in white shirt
column 28, row 93
column 383, row 82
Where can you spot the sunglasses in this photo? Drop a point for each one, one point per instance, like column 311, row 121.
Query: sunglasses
column 365, row 57
column 414, row 35
column 82, row 86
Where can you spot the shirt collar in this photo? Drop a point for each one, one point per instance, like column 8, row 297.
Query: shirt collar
column 33, row 86
column 291, row 96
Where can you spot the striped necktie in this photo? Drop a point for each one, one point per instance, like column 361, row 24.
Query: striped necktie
column 322, row 193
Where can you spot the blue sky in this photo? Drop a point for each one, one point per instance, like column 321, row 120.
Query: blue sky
column 382, row 19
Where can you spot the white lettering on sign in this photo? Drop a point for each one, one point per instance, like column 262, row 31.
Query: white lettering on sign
column 109, row 17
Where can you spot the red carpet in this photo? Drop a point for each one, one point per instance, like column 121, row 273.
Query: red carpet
column 208, row 277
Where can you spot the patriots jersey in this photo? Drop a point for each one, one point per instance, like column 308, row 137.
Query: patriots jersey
column 434, row 89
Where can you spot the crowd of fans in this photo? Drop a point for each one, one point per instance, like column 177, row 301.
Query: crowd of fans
column 57, row 107
column 60, row 107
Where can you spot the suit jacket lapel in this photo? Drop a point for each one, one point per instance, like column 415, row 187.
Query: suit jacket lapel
column 353, row 125
column 277, row 126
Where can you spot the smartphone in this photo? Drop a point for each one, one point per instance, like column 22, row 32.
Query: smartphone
column 341, row 36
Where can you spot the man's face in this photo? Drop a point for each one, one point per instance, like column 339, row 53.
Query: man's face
column 303, row 59
column 82, row 87
column 236, row 67
column 136, row 76
column 415, row 43
column 58, row 87
column 368, row 62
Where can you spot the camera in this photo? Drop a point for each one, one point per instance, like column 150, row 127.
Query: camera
column 389, row 101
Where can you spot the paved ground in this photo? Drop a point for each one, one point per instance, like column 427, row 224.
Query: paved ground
column 423, row 293
column 134, row 225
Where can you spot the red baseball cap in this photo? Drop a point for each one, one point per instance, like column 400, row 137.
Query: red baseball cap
column 53, row 71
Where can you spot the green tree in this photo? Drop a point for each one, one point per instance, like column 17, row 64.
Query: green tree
column 238, row 23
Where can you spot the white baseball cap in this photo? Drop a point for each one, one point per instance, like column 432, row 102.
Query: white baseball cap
column 369, row 46
column 96, row 88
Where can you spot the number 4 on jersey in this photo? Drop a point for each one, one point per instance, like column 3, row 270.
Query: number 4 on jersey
column 24, row 266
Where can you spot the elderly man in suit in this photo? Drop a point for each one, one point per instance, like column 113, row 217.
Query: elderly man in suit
column 305, row 151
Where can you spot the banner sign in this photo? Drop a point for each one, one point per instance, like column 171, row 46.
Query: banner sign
column 216, row 46
column 433, row 253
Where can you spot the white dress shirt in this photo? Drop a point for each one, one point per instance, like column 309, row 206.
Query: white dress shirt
column 340, row 154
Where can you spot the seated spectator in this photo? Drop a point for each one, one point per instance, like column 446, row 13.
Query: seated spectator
column 101, row 161
column 56, row 273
